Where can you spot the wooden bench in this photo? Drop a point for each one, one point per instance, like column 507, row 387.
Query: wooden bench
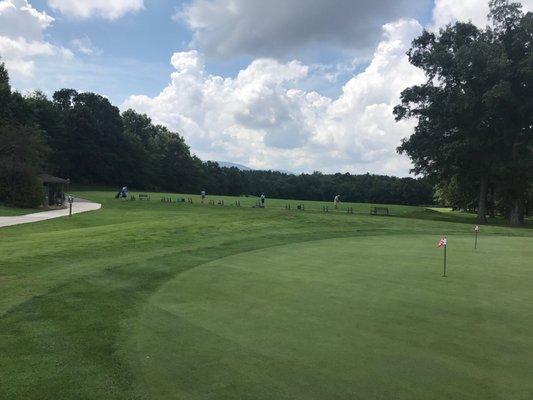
column 144, row 197
column 379, row 211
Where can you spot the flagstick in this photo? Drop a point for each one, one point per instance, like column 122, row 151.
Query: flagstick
column 444, row 276
column 443, row 242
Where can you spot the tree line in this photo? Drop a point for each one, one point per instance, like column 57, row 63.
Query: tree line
column 82, row 136
column 474, row 137
column 472, row 144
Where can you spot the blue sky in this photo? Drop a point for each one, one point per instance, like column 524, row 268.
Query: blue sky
column 141, row 42
column 298, row 85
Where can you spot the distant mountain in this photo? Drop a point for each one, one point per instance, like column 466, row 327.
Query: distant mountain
column 227, row 164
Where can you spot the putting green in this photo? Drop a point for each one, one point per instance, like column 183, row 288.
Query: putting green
column 352, row 318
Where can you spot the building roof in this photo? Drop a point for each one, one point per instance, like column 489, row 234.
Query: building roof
column 46, row 178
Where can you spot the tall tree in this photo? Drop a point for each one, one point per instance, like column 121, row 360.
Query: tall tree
column 177, row 169
column 48, row 116
column 511, row 106
column 143, row 158
column 95, row 149
column 5, row 91
column 460, row 120
column 22, row 149
column 22, row 153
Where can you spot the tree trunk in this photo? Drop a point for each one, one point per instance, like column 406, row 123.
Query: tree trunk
column 516, row 216
column 482, row 202
column 490, row 200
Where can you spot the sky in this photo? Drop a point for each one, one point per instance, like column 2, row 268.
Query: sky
column 296, row 85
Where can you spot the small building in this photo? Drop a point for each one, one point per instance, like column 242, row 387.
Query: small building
column 53, row 189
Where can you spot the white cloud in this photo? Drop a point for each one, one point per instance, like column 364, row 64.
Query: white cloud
column 261, row 117
column 107, row 9
column 449, row 11
column 84, row 45
column 281, row 28
column 19, row 19
column 21, row 37
column 18, row 54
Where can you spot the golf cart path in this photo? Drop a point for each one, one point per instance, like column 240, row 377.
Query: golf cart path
column 79, row 206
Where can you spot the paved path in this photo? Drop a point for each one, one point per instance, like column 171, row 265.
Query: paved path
column 79, row 206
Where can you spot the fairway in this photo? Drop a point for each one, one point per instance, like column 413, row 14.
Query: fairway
column 148, row 300
column 260, row 200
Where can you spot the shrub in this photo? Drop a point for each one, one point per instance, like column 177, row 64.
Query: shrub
column 21, row 189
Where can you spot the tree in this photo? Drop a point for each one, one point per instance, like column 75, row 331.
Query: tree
column 5, row 91
column 456, row 193
column 48, row 117
column 178, row 169
column 95, row 149
column 462, row 129
column 22, row 153
column 139, row 135
column 22, row 149
column 511, row 105
column 64, row 98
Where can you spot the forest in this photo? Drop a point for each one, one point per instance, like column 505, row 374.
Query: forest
column 83, row 137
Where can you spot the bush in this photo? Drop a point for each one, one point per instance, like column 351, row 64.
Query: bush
column 23, row 189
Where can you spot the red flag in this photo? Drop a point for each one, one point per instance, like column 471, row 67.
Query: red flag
column 442, row 241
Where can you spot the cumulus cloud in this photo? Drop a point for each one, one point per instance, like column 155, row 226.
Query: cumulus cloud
column 449, row 11
column 18, row 54
column 21, row 37
column 19, row 19
column 263, row 118
column 279, row 27
column 107, row 9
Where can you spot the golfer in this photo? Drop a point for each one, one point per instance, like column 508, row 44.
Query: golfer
column 263, row 200
column 203, row 195
column 336, row 201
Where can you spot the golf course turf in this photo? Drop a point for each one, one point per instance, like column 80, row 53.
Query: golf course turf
column 147, row 300
column 11, row 211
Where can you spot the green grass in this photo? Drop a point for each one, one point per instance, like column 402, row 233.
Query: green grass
column 12, row 211
column 144, row 300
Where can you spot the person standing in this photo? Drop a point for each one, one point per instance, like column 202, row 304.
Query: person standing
column 263, row 200
column 203, row 196
column 124, row 193
column 336, row 201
